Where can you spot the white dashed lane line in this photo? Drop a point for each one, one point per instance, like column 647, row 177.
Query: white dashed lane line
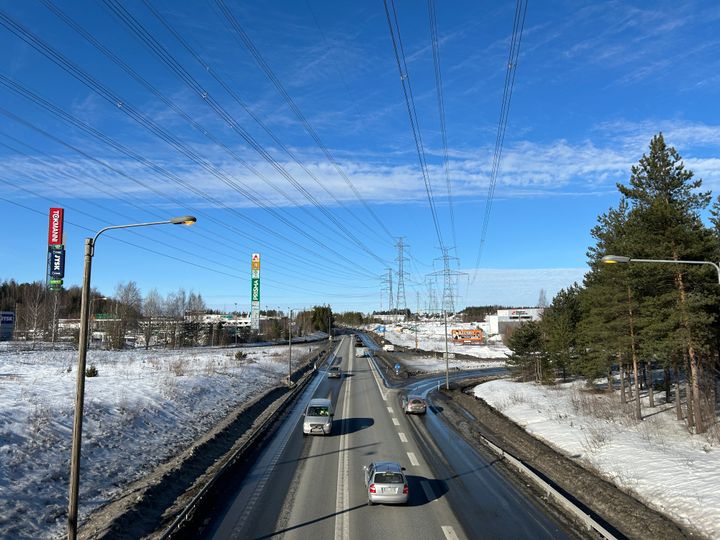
column 403, row 438
column 449, row 532
column 390, row 410
column 396, row 421
column 413, row 459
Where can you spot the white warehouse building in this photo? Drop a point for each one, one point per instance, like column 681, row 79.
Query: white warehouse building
column 512, row 317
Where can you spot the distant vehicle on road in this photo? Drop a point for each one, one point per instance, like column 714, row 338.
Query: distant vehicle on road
column 360, row 352
column 388, row 347
column 413, row 404
column 386, row 483
column 334, row 372
column 318, row 417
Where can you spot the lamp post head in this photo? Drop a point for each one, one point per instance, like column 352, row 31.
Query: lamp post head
column 615, row 259
column 183, row 220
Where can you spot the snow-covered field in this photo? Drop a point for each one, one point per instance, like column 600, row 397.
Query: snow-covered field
column 656, row 459
column 142, row 408
column 430, row 336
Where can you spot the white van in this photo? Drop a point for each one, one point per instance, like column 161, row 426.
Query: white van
column 318, row 417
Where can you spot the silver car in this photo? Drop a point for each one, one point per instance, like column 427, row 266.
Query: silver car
column 413, row 404
column 386, row 483
column 334, row 372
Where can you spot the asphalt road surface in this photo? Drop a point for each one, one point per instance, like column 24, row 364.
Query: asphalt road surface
column 313, row 486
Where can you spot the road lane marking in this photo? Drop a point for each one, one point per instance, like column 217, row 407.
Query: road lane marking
column 342, row 496
column 403, row 438
column 429, row 493
column 396, row 421
column 413, row 459
column 449, row 532
column 390, row 410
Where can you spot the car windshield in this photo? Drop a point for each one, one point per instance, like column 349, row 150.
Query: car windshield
column 388, row 478
column 318, row 411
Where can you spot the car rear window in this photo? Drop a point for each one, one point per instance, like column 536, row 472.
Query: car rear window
column 388, row 478
column 318, row 411
column 416, row 402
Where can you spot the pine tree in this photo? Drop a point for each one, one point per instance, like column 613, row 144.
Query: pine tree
column 677, row 305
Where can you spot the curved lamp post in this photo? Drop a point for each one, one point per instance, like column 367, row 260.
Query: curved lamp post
column 620, row 259
column 82, row 354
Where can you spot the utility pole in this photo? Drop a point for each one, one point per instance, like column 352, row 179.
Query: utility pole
column 447, row 357
column 417, row 318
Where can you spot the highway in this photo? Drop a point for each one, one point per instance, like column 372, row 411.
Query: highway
column 313, row 486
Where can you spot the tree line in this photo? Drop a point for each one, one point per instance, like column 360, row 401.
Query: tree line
column 174, row 320
column 651, row 326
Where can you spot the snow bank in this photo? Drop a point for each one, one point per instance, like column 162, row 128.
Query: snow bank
column 656, row 459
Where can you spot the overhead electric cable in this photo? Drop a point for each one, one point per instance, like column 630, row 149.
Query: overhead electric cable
column 229, row 89
column 128, row 109
column 92, row 131
column 166, row 57
column 247, row 42
column 412, row 113
column 518, row 24
column 441, row 110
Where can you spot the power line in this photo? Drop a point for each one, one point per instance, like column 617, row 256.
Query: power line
column 518, row 24
column 247, row 42
column 151, row 126
column 412, row 113
column 441, row 109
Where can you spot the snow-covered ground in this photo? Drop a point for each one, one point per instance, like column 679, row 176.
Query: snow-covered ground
column 430, row 336
column 144, row 407
column 141, row 409
column 655, row 459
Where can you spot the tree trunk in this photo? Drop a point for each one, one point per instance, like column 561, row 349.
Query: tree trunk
column 650, row 384
column 689, row 398
column 666, row 384
column 622, row 384
column 631, row 323
column 678, row 406
column 692, row 355
column 629, row 385
column 611, row 381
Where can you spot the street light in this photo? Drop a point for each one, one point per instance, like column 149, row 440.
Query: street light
column 621, row 259
column 82, row 354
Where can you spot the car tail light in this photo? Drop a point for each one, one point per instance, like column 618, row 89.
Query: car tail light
column 372, row 488
column 405, row 489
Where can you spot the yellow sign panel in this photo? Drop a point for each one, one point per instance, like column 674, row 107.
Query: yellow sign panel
column 255, row 264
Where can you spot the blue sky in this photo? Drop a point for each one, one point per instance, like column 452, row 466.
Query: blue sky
column 147, row 124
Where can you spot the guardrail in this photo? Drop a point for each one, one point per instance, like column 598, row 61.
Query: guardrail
column 550, row 491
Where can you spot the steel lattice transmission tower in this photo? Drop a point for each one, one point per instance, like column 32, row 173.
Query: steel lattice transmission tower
column 449, row 275
column 401, row 303
column 390, row 289
column 432, row 301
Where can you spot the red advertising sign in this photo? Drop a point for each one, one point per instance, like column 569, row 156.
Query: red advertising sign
column 55, row 228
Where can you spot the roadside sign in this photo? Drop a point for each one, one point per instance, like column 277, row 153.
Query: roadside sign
column 7, row 325
column 55, row 227
column 255, row 291
column 56, row 261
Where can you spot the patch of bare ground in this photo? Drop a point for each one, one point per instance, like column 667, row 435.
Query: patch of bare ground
column 625, row 514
